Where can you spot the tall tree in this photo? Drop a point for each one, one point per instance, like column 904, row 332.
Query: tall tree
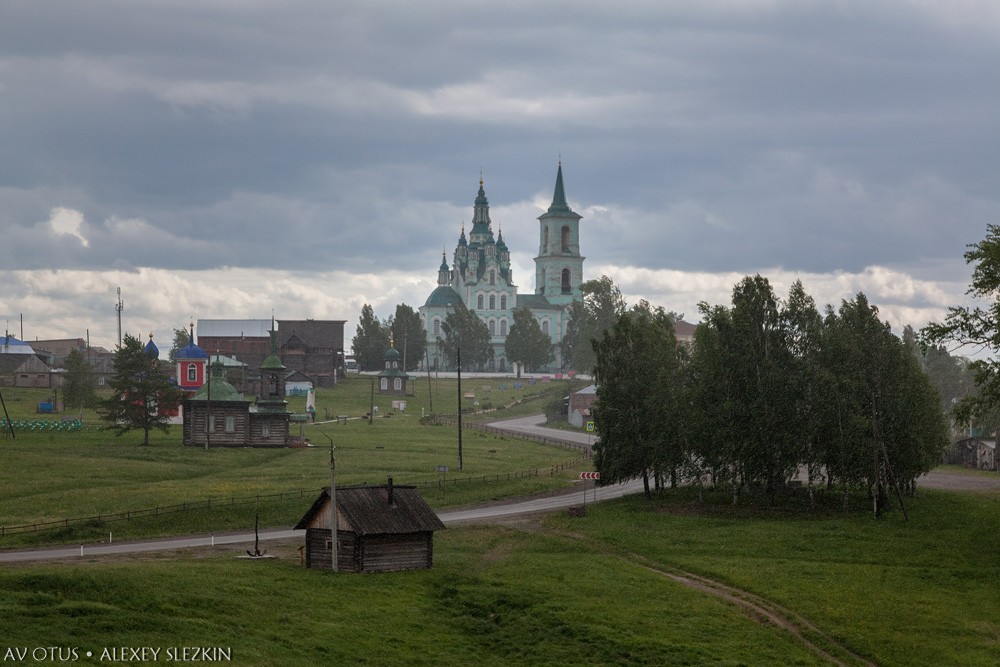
column 408, row 335
column 371, row 341
column 636, row 412
column 79, row 383
column 978, row 326
column 600, row 309
column 181, row 340
column 526, row 343
column 463, row 330
column 142, row 392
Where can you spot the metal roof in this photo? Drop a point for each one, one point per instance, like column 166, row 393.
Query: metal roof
column 231, row 328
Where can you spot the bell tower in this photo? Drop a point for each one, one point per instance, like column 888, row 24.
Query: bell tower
column 559, row 265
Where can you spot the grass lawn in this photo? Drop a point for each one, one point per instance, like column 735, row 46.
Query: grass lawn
column 559, row 590
column 56, row 475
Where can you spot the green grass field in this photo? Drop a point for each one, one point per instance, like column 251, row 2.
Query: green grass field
column 56, row 475
column 559, row 590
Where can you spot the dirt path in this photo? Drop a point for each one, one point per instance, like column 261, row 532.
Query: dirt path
column 759, row 609
column 959, row 480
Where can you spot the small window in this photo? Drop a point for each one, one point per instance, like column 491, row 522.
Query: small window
column 265, row 429
column 493, row 302
column 545, row 327
column 437, row 327
column 100, row 381
column 503, row 327
column 211, row 423
column 503, row 302
column 397, row 384
column 192, row 372
column 479, row 302
column 383, row 384
column 566, row 289
column 493, row 277
column 493, row 328
column 565, row 239
column 230, row 424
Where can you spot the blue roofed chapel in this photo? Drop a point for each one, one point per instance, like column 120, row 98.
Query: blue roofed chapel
column 480, row 279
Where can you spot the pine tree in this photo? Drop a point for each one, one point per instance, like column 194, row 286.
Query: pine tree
column 142, row 392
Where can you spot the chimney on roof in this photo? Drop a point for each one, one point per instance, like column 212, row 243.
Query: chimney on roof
column 388, row 486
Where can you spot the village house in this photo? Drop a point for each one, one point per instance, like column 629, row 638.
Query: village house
column 379, row 529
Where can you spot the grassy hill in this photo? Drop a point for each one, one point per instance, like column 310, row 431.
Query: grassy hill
column 561, row 590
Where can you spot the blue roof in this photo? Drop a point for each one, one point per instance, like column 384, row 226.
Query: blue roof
column 191, row 351
column 151, row 349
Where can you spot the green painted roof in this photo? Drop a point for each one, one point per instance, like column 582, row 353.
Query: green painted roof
column 559, row 207
column 535, row 301
column 221, row 390
column 442, row 296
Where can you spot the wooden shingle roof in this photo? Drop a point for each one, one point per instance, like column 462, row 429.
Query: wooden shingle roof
column 366, row 510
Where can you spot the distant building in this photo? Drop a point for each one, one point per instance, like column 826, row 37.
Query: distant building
column 220, row 416
column 480, row 279
column 20, row 366
column 580, row 403
column 392, row 379
column 314, row 347
column 379, row 529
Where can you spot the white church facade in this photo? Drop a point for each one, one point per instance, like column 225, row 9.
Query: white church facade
column 480, row 279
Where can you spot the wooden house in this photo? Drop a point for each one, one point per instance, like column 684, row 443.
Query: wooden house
column 379, row 529
column 979, row 453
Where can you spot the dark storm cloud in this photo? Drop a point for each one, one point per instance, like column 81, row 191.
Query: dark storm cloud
column 724, row 137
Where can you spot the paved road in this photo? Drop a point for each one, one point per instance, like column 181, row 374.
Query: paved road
column 490, row 513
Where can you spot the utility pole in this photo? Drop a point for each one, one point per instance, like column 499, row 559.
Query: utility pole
column 333, row 508
column 119, row 307
column 459, row 357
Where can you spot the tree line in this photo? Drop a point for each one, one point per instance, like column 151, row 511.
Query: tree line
column 770, row 389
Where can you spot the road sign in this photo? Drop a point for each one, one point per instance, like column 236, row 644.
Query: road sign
column 442, row 468
column 590, row 475
column 590, row 427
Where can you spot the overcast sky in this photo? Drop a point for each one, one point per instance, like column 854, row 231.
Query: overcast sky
column 229, row 159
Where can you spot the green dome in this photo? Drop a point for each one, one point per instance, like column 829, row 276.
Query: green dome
column 444, row 295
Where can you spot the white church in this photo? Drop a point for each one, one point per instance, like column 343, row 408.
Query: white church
column 480, row 278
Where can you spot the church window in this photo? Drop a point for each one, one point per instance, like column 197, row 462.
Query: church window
column 192, row 373
column 503, row 365
column 493, row 277
column 397, row 384
column 383, row 384
column 493, row 328
column 545, row 242
column 565, row 238
column 437, row 327
column 545, row 327
column 230, row 424
column 541, row 283
column 503, row 302
column 566, row 289
column 503, row 327
column 493, row 302
column 479, row 302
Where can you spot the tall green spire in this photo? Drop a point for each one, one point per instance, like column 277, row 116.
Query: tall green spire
column 559, row 204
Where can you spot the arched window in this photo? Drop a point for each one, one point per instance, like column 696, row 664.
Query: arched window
column 503, row 327
column 540, row 287
column 397, row 384
column 545, row 327
column 437, row 327
column 545, row 242
column 566, row 289
column 503, row 302
column 493, row 302
column 192, row 373
column 493, row 277
column 502, row 364
column 383, row 384
column 479, row 302
column 565, row 238
column 493, row 328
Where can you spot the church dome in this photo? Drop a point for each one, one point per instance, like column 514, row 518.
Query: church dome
column 392, row 354
column 191, row 351
column 444, row 295
column 151, row 350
